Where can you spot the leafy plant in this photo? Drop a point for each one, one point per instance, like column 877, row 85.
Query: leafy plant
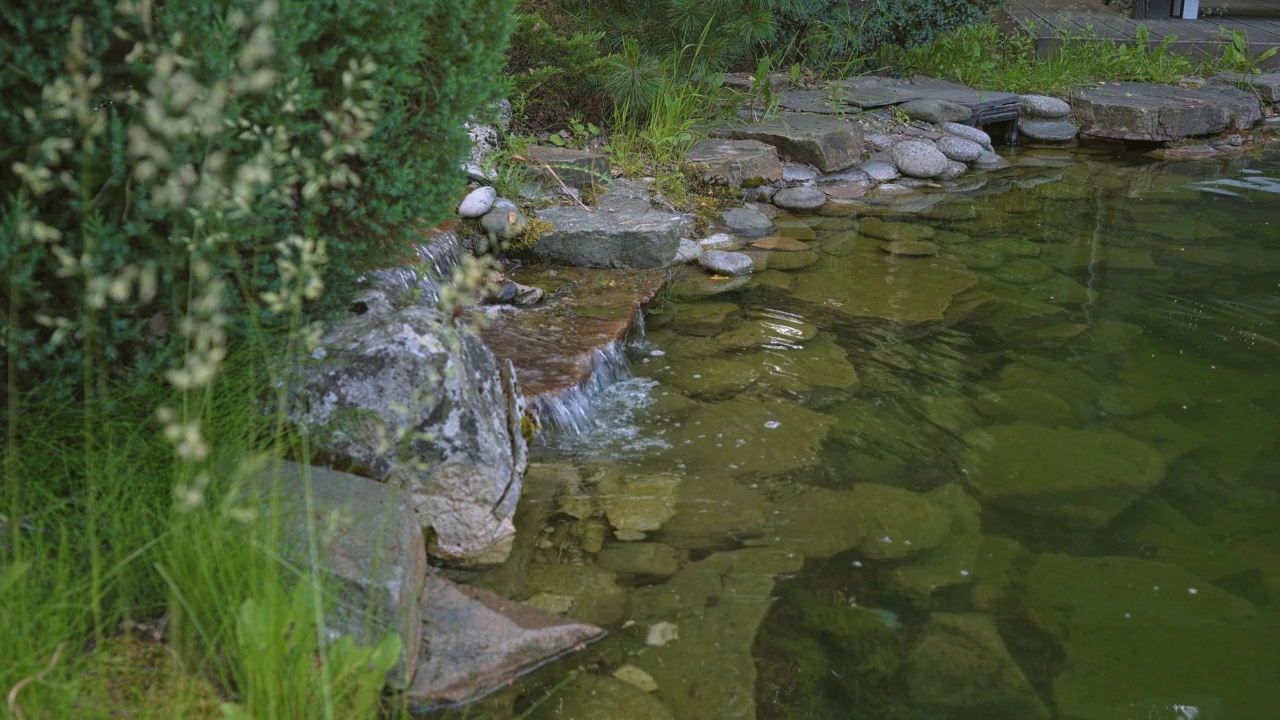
column 1237, row 56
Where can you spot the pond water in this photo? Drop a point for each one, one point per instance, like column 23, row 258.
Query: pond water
column 1011, row 452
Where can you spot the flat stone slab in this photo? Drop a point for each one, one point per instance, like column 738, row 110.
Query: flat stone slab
column 622, row 232
column 1266, row 85
column 827, row 143
column 375, row 555
column 553, row 346
column 575, row 168
column 1162, row 113
column 475, row 642
column 731, row 162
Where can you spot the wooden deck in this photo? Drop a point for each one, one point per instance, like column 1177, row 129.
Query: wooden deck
column 1049, row 19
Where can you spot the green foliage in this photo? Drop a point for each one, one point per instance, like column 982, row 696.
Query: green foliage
column 983, row 57
column 208, row 132
column 557, row 71
column 1237, row 57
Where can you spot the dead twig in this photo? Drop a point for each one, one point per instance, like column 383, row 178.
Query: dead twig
column 14, row 708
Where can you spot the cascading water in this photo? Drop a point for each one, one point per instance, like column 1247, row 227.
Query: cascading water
column 420, row 283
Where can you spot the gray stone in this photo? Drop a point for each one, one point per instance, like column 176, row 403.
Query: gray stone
column 1047, row 131
column 392, row 394
column 794, row 172
column 475, row 641
column 880, row 142
column 960, row 666
column 487, row 137
column 1043, row 107
column 936, row 111
column 747, row 223
column 1084, row 477
column 918, row 159
column 732, row 162
column 800, row 199
column 575, row 168
column 597, row 599
column 639, row 558
column 726, row 263
column 954, row 170
column 827, row 143
column 967, row 132
column 623, row 232
column 959, row 149
column 504, row 220
column 477, row 202
column 991, row 161
column 372, row 551
column 720, row 241
column 881, row 171
column 591, row 697
column 1265, row 85
column 689, row 251
column 1162, row 113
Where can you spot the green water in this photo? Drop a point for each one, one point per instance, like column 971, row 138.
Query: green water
column 1028, row 469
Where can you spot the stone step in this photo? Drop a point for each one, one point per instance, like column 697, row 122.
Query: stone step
column 622, row 231
column 826, row 142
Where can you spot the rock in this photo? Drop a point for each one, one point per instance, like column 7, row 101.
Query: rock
column 869, row 283
column 960, row 666
column 1027, row 404
column 1162, row 113
column 575, row 168
column 661, row 635
column 1084, row 477
column 910, row 248
column 729, row 264
column 689, row 251
column 918, row 159
column 504, row 220
column 1043, row 107
column 791, row 439
column 1265, row 85
column 846, row 191
column 477, row 202
column 734, row 162
column 591, row 697
column 721, row 602
column 638, row 504
column 485, row 138
column 967, row 132
column 704, row 318
column 991, row 161
column 796, row 173
column 747, row 223
column 782, row 243
column 597, row 599
column 622, row 232
column 1047, row 131
column 720, row 241
column 959, row 149
column 637, row 677
column 893, row 231
column 954, row 170
column 372, row 551
column 902, row 523
column 936, row 111
column 827, row 143
column 639, row 558
column 1135, row 630
column 476, row 641
column 376, row 379
column 800, row 199
column 881, row 171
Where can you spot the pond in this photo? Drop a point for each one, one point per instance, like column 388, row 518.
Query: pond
column 1008, row 452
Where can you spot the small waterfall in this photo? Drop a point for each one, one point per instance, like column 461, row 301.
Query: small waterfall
column 572, row 411
column 419, row 283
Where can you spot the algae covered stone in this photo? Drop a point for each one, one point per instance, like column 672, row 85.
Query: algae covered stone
column 1078, row 476
column 757, row 435
column 591, row 697
column 869, row 283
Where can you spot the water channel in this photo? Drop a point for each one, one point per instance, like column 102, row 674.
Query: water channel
column 1008, row 452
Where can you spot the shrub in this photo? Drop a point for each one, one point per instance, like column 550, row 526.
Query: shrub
column 558, row 71
column 130, row 170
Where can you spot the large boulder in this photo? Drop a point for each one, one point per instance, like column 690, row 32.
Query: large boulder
column 827, row 143
column 732, row 162
column 410, row 401
column 372, row 551
column 623, row 231
column 1162, row 113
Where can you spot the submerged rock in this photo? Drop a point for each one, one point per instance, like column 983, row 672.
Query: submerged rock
column 870, row 283
column 597, row 599
column 591, row 697
column 961, row 665
column 1078, row 476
